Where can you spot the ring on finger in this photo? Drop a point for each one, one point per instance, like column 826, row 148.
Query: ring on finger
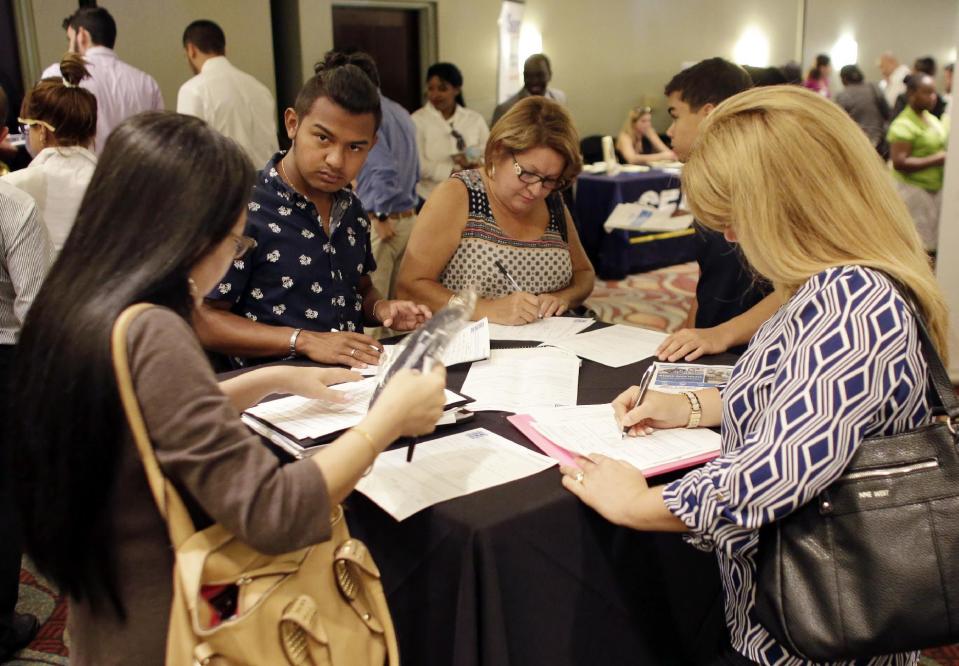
column 353, row 352
column 578, row 476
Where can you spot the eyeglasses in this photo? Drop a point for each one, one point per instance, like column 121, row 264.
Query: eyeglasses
column 460, row 141
column 27, row 123
column 531, row 178
column 243, row 245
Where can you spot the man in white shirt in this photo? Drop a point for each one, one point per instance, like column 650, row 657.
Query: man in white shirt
column 121, row 89
column 231, row 101
column 894, row 75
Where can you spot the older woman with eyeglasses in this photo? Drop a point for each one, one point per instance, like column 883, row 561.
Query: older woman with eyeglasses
column 638, row 142
column 503, row 229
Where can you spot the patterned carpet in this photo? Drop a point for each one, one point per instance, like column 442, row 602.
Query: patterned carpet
column 657, row 300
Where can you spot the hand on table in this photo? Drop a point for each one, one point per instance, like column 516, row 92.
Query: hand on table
column 609, row 486
column 314, row 382
column 518, row 308
column 412, row 402
column 691, row 343
column 400, row 315
column 657, row 411
column 551, row 305
column 354, row 350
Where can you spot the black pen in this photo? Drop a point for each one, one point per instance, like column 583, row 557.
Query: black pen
column 643, row 385
column 502, row 269
column 409, row 450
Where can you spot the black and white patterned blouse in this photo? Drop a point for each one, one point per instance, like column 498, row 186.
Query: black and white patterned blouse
column 297, row 275
column 539, row 266
column 839, row 362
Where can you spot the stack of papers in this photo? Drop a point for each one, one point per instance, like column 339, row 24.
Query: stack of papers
column 516, row 380
column 445, row 468
column 542, row 330
column 470, row 344
column 639, row 217
column 614, row 346
column 679, row 377
column 593, row 429
column 309, row 418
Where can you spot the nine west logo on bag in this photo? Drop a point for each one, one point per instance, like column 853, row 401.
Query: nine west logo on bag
column 870, row 494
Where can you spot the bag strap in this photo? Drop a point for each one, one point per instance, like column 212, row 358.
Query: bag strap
column 935, row 370
column 179, row 524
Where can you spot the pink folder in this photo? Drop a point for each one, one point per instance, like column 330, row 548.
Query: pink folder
column 524, row 423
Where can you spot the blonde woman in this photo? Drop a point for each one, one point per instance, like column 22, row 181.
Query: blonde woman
column 503, row 229
column 638, row 142
column 787, row 175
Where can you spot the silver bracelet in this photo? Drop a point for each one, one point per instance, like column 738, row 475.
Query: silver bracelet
column 293, row 337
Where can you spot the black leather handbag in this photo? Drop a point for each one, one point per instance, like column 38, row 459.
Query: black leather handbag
column 871, row 565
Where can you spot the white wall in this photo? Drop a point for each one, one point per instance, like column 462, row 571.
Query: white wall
column 150, row 34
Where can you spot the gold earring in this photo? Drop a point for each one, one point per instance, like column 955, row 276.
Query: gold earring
column 194, row 290
column 492, row 171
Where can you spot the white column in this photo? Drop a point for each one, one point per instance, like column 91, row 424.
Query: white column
column 947, row 265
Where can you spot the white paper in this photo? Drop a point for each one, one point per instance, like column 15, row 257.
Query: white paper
column 304, row 418
column 614, row 346
column 639, row 217
column 593, row 429
column 445, row 468
column 542, row 330
column 516, row 380
column 470, row 344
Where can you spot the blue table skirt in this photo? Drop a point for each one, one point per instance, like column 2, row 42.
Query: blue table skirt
column 620, row 253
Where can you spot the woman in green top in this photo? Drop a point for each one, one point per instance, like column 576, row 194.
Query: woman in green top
column 917, row 141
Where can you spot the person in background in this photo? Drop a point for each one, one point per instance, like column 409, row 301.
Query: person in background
column 922, row 66
column 101, row 537
column 818, row 78
column 305, row 288
column 894, row 76
column 121, row 89
column 60, row 122
column 917, row 141
column 503, row 229
column 787, row 175
column 731, row 302
column 537, row 73
column 23, row 265
column 449, row 136
column 231, row 101
column 866, row 105
column 946, row 96
column 638, row 142
column 386, row 185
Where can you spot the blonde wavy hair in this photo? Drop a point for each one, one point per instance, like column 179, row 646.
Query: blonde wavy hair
column 802, row 188
column 634, row 114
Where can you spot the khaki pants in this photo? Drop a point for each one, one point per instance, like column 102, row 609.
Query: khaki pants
column 388, row 255
column 924, row 207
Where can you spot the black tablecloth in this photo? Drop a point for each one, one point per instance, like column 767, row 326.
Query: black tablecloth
column 525, row 574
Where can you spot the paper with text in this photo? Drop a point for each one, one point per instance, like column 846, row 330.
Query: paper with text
column 470, row 344
column 542, row 330
column 679, row 377
column 304, row 418
column 590, row 429
column 516, row 380
column 614, row 346
column 445, row 468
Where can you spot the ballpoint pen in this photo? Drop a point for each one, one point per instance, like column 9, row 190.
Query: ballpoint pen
column 502, row 269
column 643, row 385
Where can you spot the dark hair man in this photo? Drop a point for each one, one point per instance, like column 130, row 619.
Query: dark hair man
column 731, row 302
column 537, row 73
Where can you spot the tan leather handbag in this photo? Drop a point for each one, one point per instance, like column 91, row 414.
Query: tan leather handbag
column 320, row 605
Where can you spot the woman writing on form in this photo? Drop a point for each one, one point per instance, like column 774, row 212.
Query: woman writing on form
column 789, row 176
column 503, row 229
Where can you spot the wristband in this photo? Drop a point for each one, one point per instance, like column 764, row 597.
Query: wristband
column 695, row 409
column 293, row 337
column 375, row 303
column 369, row 440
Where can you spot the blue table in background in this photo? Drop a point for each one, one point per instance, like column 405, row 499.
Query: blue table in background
column 620, row 253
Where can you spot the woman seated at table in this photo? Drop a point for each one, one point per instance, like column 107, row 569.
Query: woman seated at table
column 638, row 142
column 789, row 176
column 448, row 135
column 90, row 522
column 60, row 124
column 504, row 229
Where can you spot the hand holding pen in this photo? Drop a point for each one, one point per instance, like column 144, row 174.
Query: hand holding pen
column 631, row 404
column 519, row 307
column 640, row 411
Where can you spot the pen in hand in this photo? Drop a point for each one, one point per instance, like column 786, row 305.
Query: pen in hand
column 643, row 385
column 502, row 269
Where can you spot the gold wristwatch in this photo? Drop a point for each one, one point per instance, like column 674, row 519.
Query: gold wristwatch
column 695, row 409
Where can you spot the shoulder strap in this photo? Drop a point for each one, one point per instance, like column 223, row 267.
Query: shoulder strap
column 558, row 212
column 171, row 507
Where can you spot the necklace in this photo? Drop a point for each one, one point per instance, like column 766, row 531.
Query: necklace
column 288, row 181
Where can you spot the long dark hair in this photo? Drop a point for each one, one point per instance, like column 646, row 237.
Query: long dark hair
column 166, row 191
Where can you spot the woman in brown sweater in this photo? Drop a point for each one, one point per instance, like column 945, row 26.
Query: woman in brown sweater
column 161, row 221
